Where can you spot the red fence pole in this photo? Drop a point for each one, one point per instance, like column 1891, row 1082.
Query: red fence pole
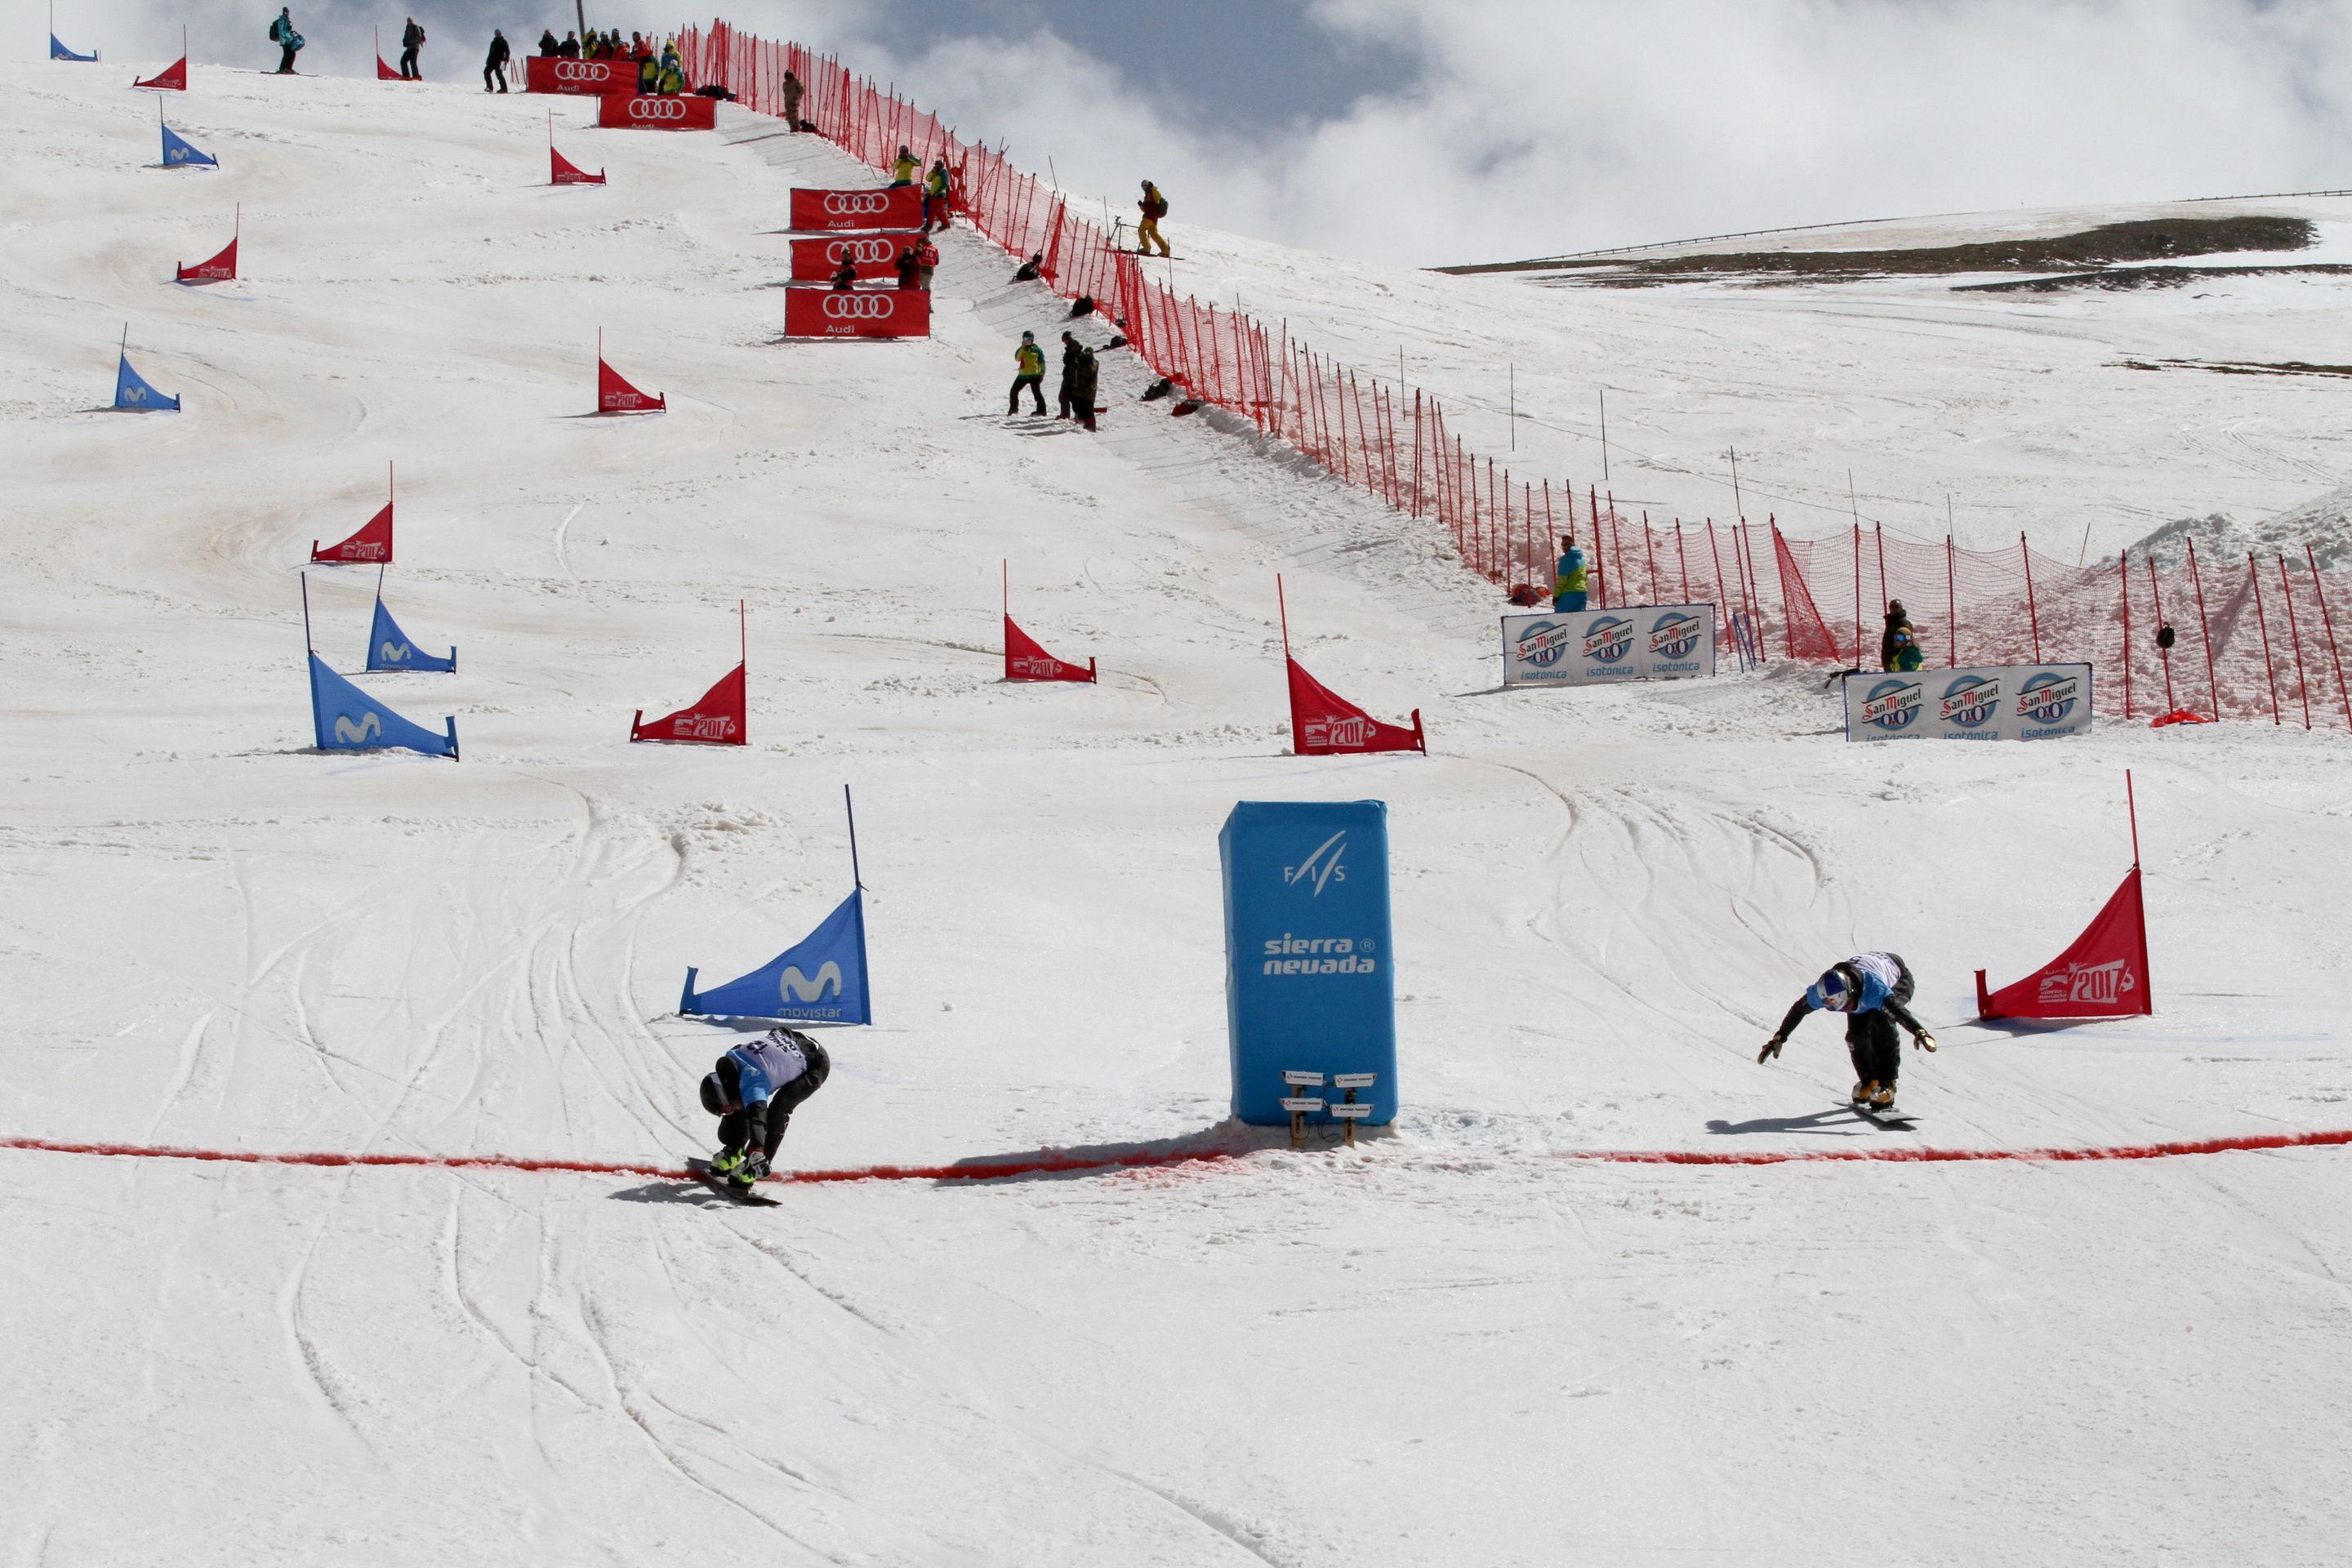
column 2197, row 580
column 2033, row 614
column 2294, row 631
column 1951, row 610
column 2123, row 570
column 2327, row 619
column 2254, row 577
column 2156, row 597
column 1857, row 596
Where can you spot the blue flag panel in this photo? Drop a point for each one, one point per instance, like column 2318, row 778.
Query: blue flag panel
column 179, row 154
column 132, row 395
column 820, row 980
column 389, row 647
column 346, row 719
column 58, row 51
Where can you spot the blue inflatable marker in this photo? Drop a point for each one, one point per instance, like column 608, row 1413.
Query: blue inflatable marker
column 820, row 979
column 389, row 647
column 179, row 154
column 131, row 393
column 1310, row 982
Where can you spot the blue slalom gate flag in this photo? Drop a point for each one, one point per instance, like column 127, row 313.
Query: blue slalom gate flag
column 346, row 719
column 389, row 647
column 133, row 395
column 58, row 51
column 820, row 980
column 179, row 154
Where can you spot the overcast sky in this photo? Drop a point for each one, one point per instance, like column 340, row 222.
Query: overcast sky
column 1423, row 131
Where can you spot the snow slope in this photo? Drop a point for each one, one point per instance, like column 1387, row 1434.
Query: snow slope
column 1456, row 1343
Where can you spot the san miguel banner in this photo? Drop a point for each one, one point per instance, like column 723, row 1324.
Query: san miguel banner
column 1586, row 647
column 656, row 113
column 857, row 313
column 826, row 212
column 2103, row 975
column 544, row 75
column 875, row 256
column 1984, row 702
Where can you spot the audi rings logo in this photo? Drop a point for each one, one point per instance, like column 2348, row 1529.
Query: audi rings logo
column 850, row 204
column 656, row 108
column 860, row 306
column 866, row 249
column 583, row 71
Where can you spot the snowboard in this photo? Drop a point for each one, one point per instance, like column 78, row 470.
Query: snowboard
column 726, row 1189
column 1892, row 1116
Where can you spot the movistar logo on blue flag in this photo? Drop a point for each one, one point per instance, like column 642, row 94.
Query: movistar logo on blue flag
column 821, row 979
column 346, row 719
column 179, row 154
column 389, row 647
column 132, row 395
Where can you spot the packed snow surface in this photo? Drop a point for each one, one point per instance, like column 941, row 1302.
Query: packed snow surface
column 1452, row 1345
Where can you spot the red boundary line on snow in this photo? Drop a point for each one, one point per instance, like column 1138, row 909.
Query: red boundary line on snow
column 1042, row 1163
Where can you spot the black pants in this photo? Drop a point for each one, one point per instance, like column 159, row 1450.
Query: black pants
column 767, row 1120
column 408, row 64
column 498, row 70
column 1084, row 409
column 1036, row 385
column 1064, row 390
column 1871, row 1038
column 285, row 59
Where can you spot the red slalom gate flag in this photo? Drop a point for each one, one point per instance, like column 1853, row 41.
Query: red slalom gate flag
column 1323, row 722
column 385, row 73
column 824, row 212
column 372, row 544
column 875, row 256
column 221, row 269
column 857, row 313
column 2103, row 975
column 714, row 719
column 614, row 396
column 563, row 172
column 648, row 112
column 1025, row 660
column 171, row 78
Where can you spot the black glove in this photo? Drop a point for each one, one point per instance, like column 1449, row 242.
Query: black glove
column 1772, row 1047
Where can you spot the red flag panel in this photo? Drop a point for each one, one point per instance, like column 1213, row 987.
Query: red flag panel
column 563, row 172
column 716, row 718
column 1322, row 723
column 614, row 396
column 173, row 77
column 2103, row 975
column 221, row 269
column 1024, row 661
column 372, row 544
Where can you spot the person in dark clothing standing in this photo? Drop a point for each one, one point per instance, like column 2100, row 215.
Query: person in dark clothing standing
column 548, row 46
column 1029, row 371
column 1871, row 989
column 412, row 39
column 789, row 88
column 1898, row 619
column 569, row 49
column 753, row 1092
column 495, row 63
column 911, row 269
column 1071, row 350
column 844, row 278
column 288, row 41
column 1082, row 387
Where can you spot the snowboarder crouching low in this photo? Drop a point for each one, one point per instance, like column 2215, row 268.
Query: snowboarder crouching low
column 753, row 1092
column 1870, row 989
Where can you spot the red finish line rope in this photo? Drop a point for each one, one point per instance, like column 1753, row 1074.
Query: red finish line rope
column 989, row 1170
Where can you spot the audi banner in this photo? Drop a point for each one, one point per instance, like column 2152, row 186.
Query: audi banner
column 818, row 257
column 828, row 212
column 541, row 74
column 1989, row 702
column 649, row 114
column 860, row 314
column 1587, row 647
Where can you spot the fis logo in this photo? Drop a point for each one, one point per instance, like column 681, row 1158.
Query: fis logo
column 1543, row 644
column 1608, row 640
column 2099, row 985
column 1971, row 702
column 369, row 728
column 1323, row 866
column 1892, row 705
column 1675, row 633
column 2047, row 698
column 800, row 987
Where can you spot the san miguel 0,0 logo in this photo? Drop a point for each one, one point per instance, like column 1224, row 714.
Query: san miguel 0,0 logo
column 1608, row 641
column 1543, row 644
column 2048, row 698
column 1892, row 704
column 1971, row 702
column 1673, row 638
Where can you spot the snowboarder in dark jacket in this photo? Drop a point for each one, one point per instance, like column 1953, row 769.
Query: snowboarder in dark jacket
column 1082, row 387
column 1071, row 350
column 753, row 1092
column 288, row 41
column 412, row 39
column 1871, row 989
column 494, row 64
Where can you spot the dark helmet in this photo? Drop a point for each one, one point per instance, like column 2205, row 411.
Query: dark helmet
column 714, row 1095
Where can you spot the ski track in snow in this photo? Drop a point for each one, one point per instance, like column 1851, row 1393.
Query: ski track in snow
column 1475, row 1339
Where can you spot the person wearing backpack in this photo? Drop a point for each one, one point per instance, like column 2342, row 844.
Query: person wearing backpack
column 1154, row 206
column 412, row 39
column 495, row 63
column 288, row 41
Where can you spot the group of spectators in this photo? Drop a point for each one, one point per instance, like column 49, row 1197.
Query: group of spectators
column 1079, row 371
column 659, row 70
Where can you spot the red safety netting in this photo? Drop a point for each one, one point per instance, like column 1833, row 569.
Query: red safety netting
column 1816, row 599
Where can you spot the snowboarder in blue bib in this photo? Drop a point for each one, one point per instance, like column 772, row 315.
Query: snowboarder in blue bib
column 753, row 1092
column 1871, row 989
